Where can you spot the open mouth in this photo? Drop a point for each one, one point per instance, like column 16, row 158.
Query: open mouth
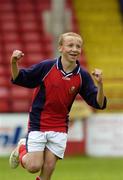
column 73, row 55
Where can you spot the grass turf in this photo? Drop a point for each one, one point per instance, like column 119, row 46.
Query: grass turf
column 74, row 168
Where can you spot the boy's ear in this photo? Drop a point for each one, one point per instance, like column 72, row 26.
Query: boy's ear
column 60, row 49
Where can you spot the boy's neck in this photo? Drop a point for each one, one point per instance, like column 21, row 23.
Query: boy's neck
column 68, row 66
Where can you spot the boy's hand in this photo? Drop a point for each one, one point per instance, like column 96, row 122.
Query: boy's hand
column 16, row 55
column 97, row 74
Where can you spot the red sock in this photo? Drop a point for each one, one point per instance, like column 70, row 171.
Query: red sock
column 38, row 178
column 22, row 152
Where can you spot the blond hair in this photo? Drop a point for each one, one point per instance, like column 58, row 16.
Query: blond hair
column 62, row 36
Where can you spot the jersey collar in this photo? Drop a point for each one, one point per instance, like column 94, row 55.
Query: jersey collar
column 75, row 71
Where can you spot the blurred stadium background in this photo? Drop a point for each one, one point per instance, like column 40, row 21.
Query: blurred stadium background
column 33, row 26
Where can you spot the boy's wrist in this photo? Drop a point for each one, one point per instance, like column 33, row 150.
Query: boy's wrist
column 14, row 60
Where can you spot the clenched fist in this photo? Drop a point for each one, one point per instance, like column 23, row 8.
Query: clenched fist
column 16, row 55
column 97, row 74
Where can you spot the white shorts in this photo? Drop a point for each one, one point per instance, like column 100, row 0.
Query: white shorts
column 54, row 141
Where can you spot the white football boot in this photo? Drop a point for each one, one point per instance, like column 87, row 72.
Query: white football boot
column 14, row 157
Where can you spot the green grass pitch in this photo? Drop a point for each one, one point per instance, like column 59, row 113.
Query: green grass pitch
column 72, row 168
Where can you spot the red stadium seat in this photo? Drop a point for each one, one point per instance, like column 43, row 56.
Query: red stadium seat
column 6, row 6
column 33, row 47
column 28, row 16
column 2, row 70
column 6, row 60
column 4, row 106
column 11, row 36
column 25, row 7
column 4, row 93
column 10, row 46
column 9, row 26
column 20, row 106
column 1, row 59
column 8, row 16
column 22, row 28
column 29, row 26
column 31, row 36
column 4, row 81
column 43, row 6
column 33, row 58
column 18, row 92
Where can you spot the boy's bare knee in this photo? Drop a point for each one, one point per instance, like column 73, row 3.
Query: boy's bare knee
column 33, row 168
column 33, row 162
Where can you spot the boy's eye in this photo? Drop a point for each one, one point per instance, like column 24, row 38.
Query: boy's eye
column 70, row 45
column 78, row 46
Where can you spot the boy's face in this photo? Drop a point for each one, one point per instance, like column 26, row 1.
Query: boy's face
column 71, row 48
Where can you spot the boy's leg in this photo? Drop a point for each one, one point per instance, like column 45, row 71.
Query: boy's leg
column 55, row 149
column 32, row 161
column 49, row 165
column 34, row 158
column 38, row 178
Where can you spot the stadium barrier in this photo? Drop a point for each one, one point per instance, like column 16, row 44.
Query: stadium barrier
column 104, row 134
column 98, row 135
column 13, row 127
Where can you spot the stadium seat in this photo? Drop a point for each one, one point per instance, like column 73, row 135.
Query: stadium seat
column 31, row 36
column 33, row 58
column 22, row 28
column 29, row 16
column 46, row 5
column 6, row 6
column 9, row 26
column 4, row 93
column 25, row 7
column 104, row 19
column 8, row 16
column 18, row 92
column 10, row 46
column 33, row 47
column 1, row 59
column 11, row 36
column 8, row 50
column 29, row 26
column 2, row 70
column 4, row 81
column 4, row 106
column 20, row 106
